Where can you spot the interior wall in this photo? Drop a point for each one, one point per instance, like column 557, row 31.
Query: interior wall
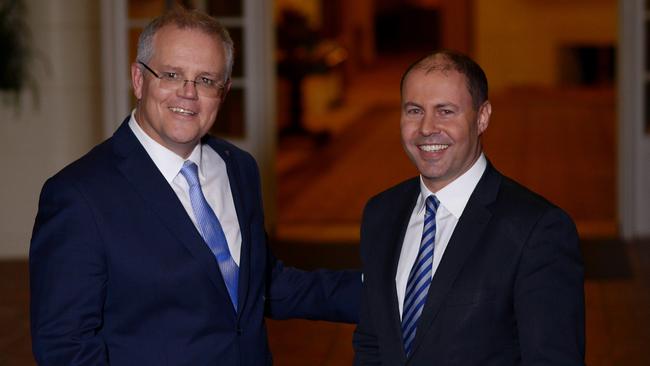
column 559, row 141
column 39, row 139
column 516, row 41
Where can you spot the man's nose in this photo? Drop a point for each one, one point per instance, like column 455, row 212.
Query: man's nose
column 189, row 89
column 429, row 125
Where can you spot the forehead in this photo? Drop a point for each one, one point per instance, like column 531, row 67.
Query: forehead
column 188, row 47
column 435, row 82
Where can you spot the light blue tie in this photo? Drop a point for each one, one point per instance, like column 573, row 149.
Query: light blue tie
column 211, row 230
column 419, row 279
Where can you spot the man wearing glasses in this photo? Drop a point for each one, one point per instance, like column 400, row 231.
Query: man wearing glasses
column 150, row 249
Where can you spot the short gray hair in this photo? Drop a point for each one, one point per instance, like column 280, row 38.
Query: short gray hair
column 186, row 19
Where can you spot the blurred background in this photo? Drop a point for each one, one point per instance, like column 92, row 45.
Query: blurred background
column 315, row 98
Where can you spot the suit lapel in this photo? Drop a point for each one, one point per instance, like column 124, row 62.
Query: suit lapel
column 138, row 168
column 234, row 179
column 391, row 244
column 466, row 236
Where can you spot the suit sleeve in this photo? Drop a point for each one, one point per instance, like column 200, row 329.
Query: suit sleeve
column 67, row 280
column 317, row 295
column 294, row 293
column 549, row 294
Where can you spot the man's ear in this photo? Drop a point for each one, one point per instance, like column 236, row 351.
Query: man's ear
column 226, row 89
column 483, row 120
column 137, row 79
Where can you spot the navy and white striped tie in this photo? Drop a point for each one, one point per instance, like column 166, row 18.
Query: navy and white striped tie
column 419, row 279
column 211, row 231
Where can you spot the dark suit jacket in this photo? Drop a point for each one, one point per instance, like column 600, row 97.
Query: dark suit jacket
column 508, row 291
column 121, row 276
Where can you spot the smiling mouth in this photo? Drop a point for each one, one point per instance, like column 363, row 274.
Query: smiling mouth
column 433, row 148
column 182, row 111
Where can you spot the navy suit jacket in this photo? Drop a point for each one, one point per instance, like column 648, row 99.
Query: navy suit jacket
column 121, row 276
column 508, row 291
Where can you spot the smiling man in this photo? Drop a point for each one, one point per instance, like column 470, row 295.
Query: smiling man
column 463, row 266
column 150, row 249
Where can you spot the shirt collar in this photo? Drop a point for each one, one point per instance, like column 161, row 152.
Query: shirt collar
column 166, row 160
column 454, row 196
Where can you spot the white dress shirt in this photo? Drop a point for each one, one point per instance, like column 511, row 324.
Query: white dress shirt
column 213, row 177
column 453, row 199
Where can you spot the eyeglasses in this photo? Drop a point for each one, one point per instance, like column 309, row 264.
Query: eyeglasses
column 172, row 81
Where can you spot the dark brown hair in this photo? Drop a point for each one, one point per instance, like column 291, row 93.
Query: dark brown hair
column 444, row 60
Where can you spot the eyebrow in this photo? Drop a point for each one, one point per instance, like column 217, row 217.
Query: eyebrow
column 180, row 70
column 411, row 104
column 446, row 104
column 438, row 105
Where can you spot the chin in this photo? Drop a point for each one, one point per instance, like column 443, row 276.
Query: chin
column 431, row 174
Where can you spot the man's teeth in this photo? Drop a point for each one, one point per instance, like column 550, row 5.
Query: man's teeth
column 182, row 111
column 436, row 147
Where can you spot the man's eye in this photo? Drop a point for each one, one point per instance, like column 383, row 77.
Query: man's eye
column 413, row 111
column 206, row 81
column 446, row 111
column 170, row 75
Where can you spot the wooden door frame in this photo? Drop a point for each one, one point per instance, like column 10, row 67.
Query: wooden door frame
column 633, row 141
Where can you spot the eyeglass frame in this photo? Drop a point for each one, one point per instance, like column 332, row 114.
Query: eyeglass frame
column 219, row 87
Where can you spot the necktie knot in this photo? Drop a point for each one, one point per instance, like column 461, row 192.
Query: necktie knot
column 432, row 205
column 191, row 173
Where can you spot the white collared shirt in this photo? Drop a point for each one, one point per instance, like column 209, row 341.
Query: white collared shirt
column 453, row 199
column 213, row 177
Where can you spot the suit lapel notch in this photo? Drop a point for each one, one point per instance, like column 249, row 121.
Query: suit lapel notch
column 397, row 222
